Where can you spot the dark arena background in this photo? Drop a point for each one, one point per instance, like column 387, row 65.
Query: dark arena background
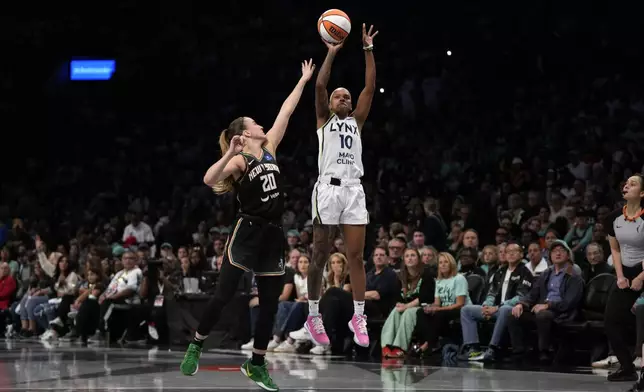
column 496, row 129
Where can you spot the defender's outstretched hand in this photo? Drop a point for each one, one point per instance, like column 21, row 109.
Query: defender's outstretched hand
column 307, row 69
column 367, row 36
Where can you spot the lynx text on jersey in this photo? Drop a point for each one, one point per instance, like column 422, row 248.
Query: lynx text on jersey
column 343, row 127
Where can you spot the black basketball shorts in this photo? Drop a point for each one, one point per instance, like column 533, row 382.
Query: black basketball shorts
column 256, row 245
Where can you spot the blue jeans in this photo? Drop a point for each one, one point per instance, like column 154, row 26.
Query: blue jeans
column 28, row 305
column 44, row 313
column 290, row 317
column 472, row 314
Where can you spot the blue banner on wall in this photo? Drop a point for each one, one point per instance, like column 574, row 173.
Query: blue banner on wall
column 91, row 69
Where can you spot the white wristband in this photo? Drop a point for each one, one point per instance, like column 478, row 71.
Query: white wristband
column 368, row 48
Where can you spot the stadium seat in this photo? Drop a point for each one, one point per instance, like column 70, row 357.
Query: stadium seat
column 476, row 285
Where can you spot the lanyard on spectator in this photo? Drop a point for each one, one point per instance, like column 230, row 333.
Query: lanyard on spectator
column 160, row 286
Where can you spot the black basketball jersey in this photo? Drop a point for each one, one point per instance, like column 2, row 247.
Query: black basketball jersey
column 259, row 189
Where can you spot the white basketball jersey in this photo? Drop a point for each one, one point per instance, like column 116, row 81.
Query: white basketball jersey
column 340, row 149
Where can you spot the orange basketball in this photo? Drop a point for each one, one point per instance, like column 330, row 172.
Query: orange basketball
column 334, row 26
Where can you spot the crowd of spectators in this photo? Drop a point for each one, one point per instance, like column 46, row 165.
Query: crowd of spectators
column 489, row 156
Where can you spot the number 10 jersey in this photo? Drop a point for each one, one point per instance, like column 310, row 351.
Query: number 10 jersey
column 340, row 149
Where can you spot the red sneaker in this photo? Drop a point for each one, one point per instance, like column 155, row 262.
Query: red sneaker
column 386, row 352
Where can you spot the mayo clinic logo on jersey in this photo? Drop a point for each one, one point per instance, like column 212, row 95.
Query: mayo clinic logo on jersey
column 345, row 158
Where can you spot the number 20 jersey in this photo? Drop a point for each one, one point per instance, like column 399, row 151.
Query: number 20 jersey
column 259, row 189
column 340, row 149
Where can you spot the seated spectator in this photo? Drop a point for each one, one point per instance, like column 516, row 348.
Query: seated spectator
column 107, row 268
column 418, row 288
column 293, row 258
column 40, row 287
column 467, row 259
column 418, row 240
column 87, row 307
column 554, row 297
column 293, row 239
column 528, row 236
column 471, row 240
column 8, row 291
column 338, row 245
column 490, row 260
column 5, row 257
column 123, row 289
column 501, row 248
column 455, row 237
column 25, row 272
column 141, row 232
column 510, row 283
column 536, row 262
column 338, row 276
column 596, row 262
column 395, row 249
column 380, row 293
column 156, row 288
column 599, row 236
column 429, row 257
column 451, row 294
column 290, row 314
column 198, row 262
column 66, row 281
column 94, row 283
column 580, row 234
column 48, row 264
column 501, row 235
column 549, row 239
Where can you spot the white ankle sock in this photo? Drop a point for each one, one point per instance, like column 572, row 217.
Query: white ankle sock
column 358, row 308
column 200, row 337
column 313, row 308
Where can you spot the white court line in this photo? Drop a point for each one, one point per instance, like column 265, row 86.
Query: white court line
column 302, row 387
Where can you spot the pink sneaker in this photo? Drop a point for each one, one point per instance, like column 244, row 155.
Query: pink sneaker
column 315, row 327
column 358, row 325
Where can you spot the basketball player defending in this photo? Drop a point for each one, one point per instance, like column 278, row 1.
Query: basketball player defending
column 338, row 197
column 250, row 167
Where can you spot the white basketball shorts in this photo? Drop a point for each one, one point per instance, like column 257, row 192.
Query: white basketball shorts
column 343, row 204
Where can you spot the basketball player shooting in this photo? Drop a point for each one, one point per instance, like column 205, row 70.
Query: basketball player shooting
column 338, row 197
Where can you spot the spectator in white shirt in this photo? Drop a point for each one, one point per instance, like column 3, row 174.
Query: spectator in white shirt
column 123, row 289
column 536, row 262
column 577, row 167
column 141, row 231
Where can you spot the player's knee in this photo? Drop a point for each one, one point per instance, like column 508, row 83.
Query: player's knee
column 320, row 232
column 355, row 256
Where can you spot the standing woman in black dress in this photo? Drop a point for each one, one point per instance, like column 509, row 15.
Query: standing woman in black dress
column 625, row 229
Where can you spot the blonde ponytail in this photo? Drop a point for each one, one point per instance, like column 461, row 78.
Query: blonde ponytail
column 225, row 185
column 235, row 128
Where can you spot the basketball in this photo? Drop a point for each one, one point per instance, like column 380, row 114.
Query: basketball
column 334, row 26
